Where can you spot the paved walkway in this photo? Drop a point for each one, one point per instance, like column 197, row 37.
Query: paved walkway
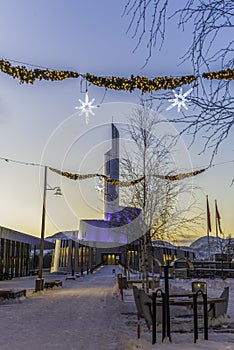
column 88, row 314
column 83, row 314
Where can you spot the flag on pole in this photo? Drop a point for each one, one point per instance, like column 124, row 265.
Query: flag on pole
column 208, row 215
column 217, row 217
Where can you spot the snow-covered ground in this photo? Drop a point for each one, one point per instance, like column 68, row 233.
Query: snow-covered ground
column 88, row 313
column 221, row 330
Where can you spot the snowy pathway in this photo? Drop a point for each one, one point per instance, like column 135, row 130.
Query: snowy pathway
column 80, row 315
column 88, row 314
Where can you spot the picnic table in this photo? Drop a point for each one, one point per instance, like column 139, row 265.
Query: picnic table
column 155, row 308
column 187, row 299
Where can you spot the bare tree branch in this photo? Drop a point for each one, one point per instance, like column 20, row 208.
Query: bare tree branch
column 142, row 12
column 212, row 23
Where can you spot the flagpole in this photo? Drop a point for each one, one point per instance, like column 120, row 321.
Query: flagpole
column 208, row 225
column 216, row 226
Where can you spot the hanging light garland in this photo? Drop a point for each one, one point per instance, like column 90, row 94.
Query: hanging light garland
column 29, row 76
column 119, row 183
column 181, row 176
column 73, row 176
column 142, row 83
column 113, row 82
column 227, row 74
column 107, row 179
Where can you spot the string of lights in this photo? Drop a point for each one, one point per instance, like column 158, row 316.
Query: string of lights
column 142, row 83
column 119, row 183
column 19, row 162
column 107, row 179
column 181, row 176
column 76, row 176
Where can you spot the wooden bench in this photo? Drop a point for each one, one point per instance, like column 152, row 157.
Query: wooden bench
column 136, row 295
column 143, row 304
column 12, row 294
column 52, row 284
column 143, row 301
column 220, row 309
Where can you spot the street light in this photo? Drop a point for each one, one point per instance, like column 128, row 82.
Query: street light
column 39, row 284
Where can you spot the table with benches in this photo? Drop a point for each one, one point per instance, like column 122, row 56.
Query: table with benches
column 217, row 306
column 155, row 308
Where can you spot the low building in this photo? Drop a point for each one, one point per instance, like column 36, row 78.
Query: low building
column 18, row 253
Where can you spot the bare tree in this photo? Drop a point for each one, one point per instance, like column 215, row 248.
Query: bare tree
column 160, row 200
column 211, row 49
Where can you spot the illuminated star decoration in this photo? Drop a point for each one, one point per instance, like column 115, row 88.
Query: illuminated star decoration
column 100, row 186
column 179, row 100
column 86, row 107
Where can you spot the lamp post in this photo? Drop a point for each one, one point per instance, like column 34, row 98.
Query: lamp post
column 39, row 284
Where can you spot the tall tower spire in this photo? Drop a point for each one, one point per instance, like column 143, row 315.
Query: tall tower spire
column 112, row 171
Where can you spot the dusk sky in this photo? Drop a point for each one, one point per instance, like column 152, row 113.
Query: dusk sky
column 39, row 123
